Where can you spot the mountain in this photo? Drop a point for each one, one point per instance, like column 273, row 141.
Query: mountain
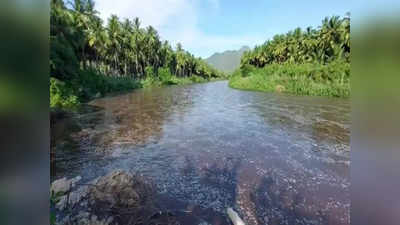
column 227, row 61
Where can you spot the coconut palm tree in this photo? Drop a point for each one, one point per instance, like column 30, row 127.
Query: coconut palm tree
column 78, row 35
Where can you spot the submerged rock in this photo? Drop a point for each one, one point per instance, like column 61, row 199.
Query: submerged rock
column 73, row 198
column 96, row 202
column 85, row 218
column 63, row 185
column 116, row 198
column 120, row 189
column 62, row 202
column 60, row 186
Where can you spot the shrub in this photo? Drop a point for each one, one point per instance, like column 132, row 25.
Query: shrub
column 332, row 79
column 61, row 95
column 166, row 77
column 197, row 79
column 85, row 87
column 246, row 70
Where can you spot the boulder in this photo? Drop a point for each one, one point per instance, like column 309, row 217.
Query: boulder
column 60, row 186
column 98, row 201
column 64, row 185
column 62, row 202
column 234, row 216
column 119, row 189
column 78, row 195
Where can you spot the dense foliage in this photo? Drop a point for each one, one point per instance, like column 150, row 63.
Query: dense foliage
column 82, row 48
column 300, row 79
column 310, row 62
column 326, row 44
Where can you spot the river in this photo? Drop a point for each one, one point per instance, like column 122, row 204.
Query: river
column 276, row 159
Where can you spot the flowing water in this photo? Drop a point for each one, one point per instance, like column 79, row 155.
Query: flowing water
column 276, row 159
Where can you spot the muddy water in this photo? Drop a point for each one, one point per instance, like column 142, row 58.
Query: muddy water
column 276, row 159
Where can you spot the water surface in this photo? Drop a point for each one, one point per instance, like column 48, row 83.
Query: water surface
column 276, row 159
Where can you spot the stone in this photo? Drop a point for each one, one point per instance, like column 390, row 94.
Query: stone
column 75, row 180
column 266, row 220
column 234, row 216
column 110, row 220
column 60, row 186
column 62, row 202
column 65, row 221
column 87, row 219
column 203, row 223
column 64, row 185
column 72, row 198
column 116, row 189
column 82, row 215
column 76, row 196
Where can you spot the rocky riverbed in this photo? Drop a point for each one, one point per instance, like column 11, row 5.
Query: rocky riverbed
column 120, row 198
column 273, row 158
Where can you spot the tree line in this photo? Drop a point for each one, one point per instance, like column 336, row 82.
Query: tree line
column 327, row 43
column 80, row 40
column 89, row 57
column 300, row 62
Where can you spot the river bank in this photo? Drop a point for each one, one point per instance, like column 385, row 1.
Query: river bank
column 331, row 80
column 89, row 85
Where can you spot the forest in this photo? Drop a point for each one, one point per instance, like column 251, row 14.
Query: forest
column 301, row 62
column 89, row 58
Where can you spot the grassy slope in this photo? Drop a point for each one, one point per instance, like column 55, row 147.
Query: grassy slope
column 299, row 79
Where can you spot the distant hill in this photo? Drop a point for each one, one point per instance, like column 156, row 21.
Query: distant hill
column 227, row 61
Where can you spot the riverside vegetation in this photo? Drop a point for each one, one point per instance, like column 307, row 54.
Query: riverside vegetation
column 89, row 59
column 310, row 62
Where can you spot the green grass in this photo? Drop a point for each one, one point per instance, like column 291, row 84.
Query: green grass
column 299, row 79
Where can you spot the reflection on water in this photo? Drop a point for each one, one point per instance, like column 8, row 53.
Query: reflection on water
column 276, row 159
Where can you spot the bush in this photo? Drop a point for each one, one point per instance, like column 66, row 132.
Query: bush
column 197, row 79
column 61, row 95
column 246, row 70
column 302, row 79
column 166, row 77
column 151, row 79
column 85, row 87
column 90, row 83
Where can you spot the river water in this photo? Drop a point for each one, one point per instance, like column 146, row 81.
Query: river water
column 276, row 159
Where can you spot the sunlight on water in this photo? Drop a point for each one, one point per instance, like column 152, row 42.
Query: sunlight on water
column 276, row 159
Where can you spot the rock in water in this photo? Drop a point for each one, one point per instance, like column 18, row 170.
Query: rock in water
column 63, row 185
column 234, row 217
column 60, row 186
column 119, row 189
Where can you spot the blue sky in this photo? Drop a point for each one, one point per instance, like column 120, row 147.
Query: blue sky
column 208, row 26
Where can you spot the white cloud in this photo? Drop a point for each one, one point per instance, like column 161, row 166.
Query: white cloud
column 151, row 12
column 176, row 21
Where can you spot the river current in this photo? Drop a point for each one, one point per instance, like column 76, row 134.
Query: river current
column 274, row 158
